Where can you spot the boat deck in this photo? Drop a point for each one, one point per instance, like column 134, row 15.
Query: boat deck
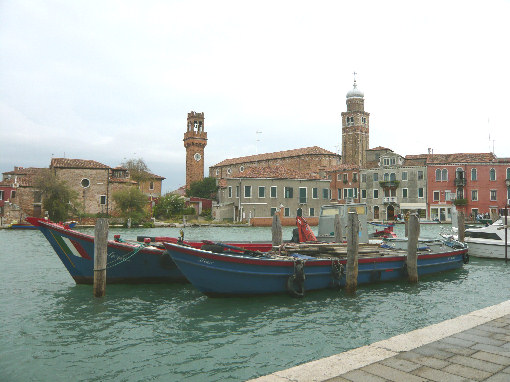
column 473, row 347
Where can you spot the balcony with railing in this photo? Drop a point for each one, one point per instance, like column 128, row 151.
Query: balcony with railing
column 390, row 200
column 460, row 182
column 389, row 183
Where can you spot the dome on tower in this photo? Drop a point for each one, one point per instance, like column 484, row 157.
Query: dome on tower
column 355, row 92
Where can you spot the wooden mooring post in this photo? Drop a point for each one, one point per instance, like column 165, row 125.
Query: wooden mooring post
column 461, row 226
column 412, row 248
column 351, row 278
column 276, row 230
column 338, row 230
column 100, row 253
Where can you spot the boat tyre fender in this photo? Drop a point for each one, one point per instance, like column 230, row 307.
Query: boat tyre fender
column 465, row 258
column 337, row 271
column 296, row 282
column 404, row 268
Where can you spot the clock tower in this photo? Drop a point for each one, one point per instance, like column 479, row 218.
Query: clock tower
column 195, row 140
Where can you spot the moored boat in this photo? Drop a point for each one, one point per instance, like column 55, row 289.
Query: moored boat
column 127, row 261
column 216, row 274
column 488, row 241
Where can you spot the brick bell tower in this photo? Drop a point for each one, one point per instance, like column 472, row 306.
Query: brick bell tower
column 195, row 140
column 355, row 128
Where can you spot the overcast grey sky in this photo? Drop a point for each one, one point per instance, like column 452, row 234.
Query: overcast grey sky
column 109, row 80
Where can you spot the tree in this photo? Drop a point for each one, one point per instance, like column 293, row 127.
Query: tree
column 169, row 205
column 205, row 188
column 131, row 202
column 58, row 198
column 138, row 170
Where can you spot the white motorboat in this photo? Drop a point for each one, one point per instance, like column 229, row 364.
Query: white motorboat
column 487, row 241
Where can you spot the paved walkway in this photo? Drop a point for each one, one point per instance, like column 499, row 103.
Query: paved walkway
column 473, row 347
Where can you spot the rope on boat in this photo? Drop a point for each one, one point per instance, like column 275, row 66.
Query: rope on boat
column 337, row 271
column 128, row 256
column 296, row 282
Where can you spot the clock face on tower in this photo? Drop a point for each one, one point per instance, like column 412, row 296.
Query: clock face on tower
column 197, row 157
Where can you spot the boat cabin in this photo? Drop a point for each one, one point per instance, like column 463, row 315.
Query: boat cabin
column 327, row 220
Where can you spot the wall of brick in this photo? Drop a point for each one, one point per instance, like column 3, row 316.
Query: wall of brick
column 304, row 163
column 88, row 197
column 483, row 185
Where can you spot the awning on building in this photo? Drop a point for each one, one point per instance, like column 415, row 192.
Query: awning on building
column 413, row 206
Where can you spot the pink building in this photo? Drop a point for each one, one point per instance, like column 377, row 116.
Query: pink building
column 475, row 182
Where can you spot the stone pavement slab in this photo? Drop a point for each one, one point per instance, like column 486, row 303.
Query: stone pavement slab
column 473, row 347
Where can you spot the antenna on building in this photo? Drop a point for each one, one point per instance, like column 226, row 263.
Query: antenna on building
column 257, row 140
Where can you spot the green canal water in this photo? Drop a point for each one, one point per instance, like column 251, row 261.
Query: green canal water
column 54, row 330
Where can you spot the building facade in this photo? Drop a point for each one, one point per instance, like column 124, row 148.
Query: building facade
column 474, row 182
column 94, row 182
column 394, row 187
column 20, row 198
column 345, row 180
column 261, row 192
column 306, row 160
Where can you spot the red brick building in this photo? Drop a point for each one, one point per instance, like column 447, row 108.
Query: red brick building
column 474, row 182
column 309, row 159
column 345, row 183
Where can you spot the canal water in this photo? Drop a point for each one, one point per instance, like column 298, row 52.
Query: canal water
column 54, row 330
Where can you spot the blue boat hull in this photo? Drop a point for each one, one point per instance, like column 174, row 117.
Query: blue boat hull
column 126, row 263
column 233, row 275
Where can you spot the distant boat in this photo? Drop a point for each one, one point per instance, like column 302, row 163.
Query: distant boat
column 216, row 274
column 386, row 232
column 31, row 226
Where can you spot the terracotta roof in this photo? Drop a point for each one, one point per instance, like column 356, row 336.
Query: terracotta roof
column 180, row 191
column 315, row 150
column 76, row 163
column 6, row 183
column 154, row 176
column 26, row 181
column 454, row 158
column 275, row 172
column 23, row 171
column 380, row 148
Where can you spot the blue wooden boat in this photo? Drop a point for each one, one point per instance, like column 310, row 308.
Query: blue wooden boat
column 236, row 275
column 127, row 261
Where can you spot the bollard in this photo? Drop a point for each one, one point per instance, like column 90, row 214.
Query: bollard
column 100, row 253
column 351, row 280
column 338, row 230
column 276, row 230
column 412, row 248
column 460, row 226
